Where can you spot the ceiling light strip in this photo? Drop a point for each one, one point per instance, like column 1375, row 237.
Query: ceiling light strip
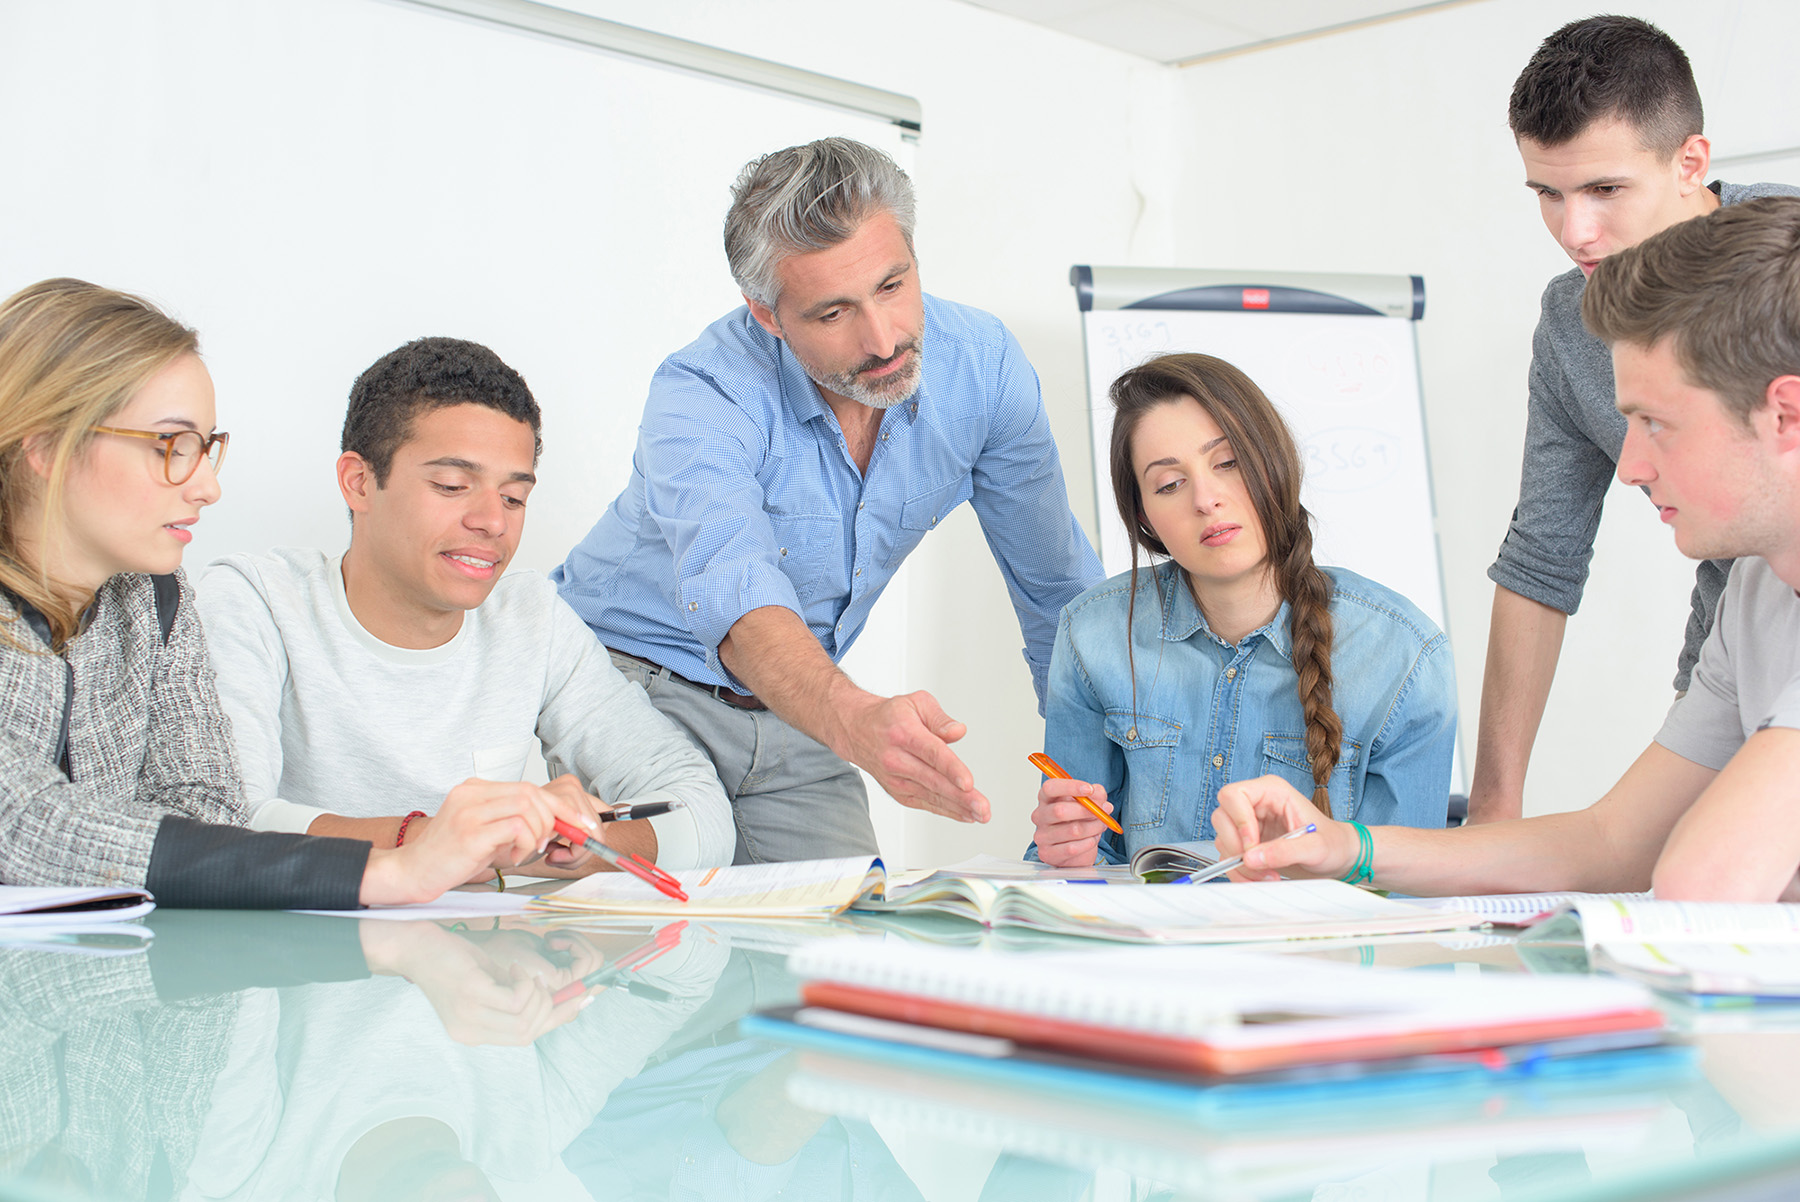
column 601, row 34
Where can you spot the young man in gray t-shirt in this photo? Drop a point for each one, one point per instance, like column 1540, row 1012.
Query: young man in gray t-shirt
column 1704, row 324
column 1608, row 122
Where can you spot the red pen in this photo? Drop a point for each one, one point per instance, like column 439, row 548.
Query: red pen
column 667, row 939
column 635, row 864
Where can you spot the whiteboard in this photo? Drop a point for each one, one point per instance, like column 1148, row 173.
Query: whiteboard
column 1348, row 387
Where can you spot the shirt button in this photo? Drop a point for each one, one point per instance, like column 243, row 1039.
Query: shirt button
column 884, row 435
column 1131, row 735
column 1218, row 761
column 934, row 519
column 784, row 556
column 859, row 506
column 1230, row 673
column 693, row 606
column 859, row 571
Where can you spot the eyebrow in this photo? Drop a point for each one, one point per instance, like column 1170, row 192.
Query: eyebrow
column 899, row 269
column 1170, row 461
column 1605, row 181
column 183, row 422
column 468, row 465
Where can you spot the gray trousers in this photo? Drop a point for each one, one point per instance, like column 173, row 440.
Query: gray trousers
column 791, row 797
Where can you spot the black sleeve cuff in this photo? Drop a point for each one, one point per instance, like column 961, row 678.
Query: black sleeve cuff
column 200, row 952
column 198, row 865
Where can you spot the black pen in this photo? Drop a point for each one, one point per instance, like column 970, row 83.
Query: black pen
column 647, row 809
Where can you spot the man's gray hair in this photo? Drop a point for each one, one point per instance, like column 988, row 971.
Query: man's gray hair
column 808, row 198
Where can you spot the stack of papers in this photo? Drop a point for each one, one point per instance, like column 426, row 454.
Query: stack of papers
column 1705, row 948
column 56, row 906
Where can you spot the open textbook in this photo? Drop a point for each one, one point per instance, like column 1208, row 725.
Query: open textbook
column 1174, row 857
column 1095, row 907
column 1685, row 947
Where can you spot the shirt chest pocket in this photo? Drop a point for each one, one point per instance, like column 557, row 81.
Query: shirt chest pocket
column 1149, row 745
column 924, row 513
column 804, row 546
column 504, row 763
column 1284, row 755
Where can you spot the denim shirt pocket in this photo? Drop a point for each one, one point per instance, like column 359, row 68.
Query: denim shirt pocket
column 926, row 512
column 1149, row 744
column 803, row 546
column 1284, row 755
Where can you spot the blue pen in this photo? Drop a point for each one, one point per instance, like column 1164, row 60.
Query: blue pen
column 1225, row 866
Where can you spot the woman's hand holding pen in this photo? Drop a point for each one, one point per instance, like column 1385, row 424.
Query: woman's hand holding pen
column 1253, row 814
column 480, row 822
column 1068, row 834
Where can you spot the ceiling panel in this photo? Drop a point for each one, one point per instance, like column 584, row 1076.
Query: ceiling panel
column 1173, row 31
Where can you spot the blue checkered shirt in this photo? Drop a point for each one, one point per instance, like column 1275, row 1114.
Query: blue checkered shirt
column 743, row 494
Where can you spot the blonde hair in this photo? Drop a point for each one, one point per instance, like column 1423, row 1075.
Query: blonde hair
column 71, row 355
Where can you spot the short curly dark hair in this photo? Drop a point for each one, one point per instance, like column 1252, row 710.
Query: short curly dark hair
column 425, row 374
column 1604, row 67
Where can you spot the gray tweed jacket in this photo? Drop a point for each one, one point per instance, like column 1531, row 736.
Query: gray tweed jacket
column 147, row 739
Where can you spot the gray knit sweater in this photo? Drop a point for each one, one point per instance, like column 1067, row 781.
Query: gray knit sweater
column 148, row 746
column 1573, row 435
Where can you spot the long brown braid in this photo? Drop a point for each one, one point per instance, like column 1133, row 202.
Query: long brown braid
column 1270, row 464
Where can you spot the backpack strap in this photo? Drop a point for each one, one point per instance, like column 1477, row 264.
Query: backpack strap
column 40, row 626
column 168, row 600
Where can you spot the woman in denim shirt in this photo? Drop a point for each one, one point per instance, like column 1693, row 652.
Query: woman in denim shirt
column 1244, row 658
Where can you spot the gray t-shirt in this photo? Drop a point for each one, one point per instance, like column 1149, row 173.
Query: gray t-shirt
column 1573, row 435
column 1748, row 677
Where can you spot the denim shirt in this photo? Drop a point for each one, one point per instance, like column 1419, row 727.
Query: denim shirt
column 743, row 494
column 1208, row 713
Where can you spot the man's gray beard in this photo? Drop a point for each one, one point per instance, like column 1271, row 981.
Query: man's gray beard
column 849, row 384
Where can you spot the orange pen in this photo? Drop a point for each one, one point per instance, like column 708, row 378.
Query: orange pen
column 1050, row 767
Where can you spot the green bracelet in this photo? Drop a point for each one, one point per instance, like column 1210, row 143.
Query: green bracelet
column 1363, row 870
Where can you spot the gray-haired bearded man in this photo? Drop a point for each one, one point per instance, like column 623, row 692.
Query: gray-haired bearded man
column 788, row 461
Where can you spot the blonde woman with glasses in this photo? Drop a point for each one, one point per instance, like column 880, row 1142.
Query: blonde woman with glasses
column 116, row 762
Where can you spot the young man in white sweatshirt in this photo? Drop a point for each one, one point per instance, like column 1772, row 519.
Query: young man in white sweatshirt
column 365, row 687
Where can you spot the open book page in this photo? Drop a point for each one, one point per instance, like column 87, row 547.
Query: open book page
column 1755, row 969
column 38, row 905
column 800, row 889
column 964, row 897
column 1517, row 909
column 1612, row 920
column 1217, row 913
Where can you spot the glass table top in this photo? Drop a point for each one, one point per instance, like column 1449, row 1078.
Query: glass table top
column 243, row 1056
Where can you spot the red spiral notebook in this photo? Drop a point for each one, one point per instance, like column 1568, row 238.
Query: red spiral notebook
column 1214, row 1013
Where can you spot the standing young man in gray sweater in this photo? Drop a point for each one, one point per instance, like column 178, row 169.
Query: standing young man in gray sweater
column 1608, row 122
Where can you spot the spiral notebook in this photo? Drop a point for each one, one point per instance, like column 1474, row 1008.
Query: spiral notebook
column 1213, row 1011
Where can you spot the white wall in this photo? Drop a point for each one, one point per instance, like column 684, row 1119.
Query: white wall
column 1386, row 149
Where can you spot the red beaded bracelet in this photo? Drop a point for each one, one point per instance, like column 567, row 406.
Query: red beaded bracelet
column 400, row 835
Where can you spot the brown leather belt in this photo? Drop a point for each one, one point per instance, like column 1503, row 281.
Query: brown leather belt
column 729, row 696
